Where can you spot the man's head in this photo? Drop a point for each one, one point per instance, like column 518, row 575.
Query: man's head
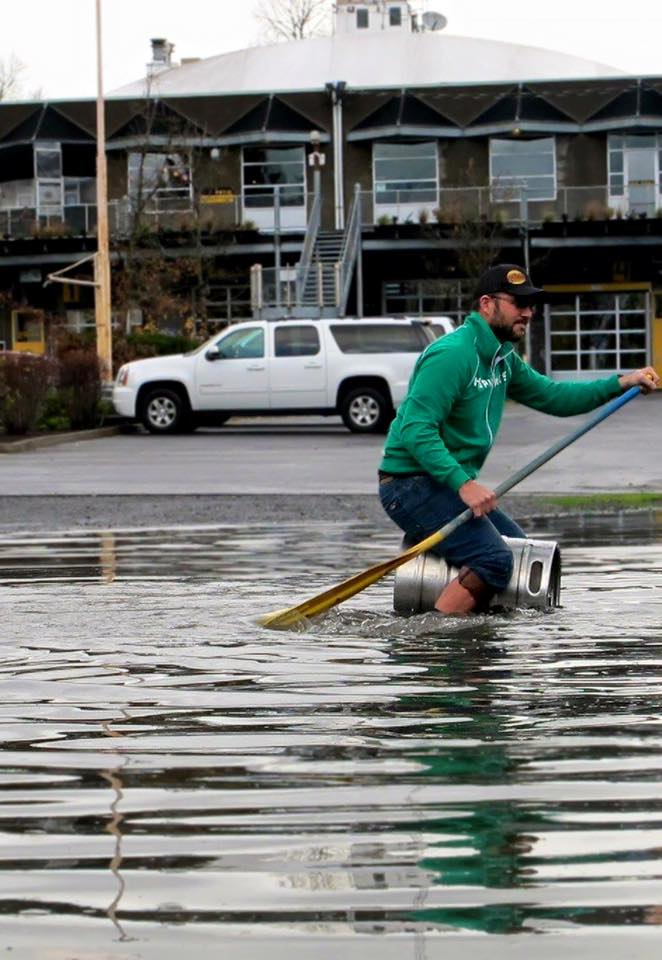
column 507, row 300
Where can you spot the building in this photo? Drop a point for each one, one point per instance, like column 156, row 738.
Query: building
column 372, row 171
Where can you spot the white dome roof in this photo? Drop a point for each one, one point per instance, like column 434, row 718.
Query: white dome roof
column 363, row 62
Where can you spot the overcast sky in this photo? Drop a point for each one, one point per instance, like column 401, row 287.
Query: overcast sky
column 55, row 38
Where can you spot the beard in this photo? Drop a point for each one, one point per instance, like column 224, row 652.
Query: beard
column 504, row 329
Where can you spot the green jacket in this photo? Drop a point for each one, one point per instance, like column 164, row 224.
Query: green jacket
column 448, row 421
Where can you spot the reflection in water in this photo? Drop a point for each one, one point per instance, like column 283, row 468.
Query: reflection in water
column 114, row 825
column 373, row 784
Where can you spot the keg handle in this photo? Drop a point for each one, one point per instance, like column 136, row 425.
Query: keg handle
column 281, row 619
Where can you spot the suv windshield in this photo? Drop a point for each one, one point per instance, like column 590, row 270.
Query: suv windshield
column 379, row 337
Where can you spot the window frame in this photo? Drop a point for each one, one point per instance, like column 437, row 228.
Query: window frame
column 619, row 199
column 164, row 194
column 405, row 195
column 297, row 188
column 497, row 183
column 580, row 333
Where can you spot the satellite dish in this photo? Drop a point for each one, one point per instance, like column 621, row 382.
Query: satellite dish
column 434, row 21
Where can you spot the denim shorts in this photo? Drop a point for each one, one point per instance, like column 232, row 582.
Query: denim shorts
column 420, row 506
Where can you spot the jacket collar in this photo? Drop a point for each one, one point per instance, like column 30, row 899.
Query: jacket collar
column 487, row 344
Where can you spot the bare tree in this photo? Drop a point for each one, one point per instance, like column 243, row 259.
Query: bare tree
column 293, row 19
column 11, row 72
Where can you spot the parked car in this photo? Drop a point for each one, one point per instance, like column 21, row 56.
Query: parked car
column 356, row 368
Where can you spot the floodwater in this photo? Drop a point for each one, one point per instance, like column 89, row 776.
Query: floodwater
column 175, row 778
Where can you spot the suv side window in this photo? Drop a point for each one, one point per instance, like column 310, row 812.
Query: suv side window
column 246, row 344
column 296, row 340
column 379, row 338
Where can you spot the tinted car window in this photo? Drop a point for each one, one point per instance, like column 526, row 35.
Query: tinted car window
column 296, row 341
column 242, row 344
column 379, row 338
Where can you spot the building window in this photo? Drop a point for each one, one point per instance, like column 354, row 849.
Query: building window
column 48, row 177
column 635, row 173
column 395, row 17
column 523, row 168
column 597, row 331
column 405, row 173
column 162, row 178
column 362, row 18
column 267, row 169
column 48, row 162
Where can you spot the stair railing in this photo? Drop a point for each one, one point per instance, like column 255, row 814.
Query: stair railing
column 349, row 251
column 306, row 260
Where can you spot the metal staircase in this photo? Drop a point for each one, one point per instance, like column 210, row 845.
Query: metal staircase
column 321, row 279
column 320, row 290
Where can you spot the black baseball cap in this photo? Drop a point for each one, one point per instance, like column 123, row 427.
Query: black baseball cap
column 507, row 278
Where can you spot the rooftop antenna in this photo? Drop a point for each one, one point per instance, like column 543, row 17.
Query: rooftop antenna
column 434, row 21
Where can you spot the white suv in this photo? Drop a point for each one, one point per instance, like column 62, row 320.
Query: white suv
column 356, row 368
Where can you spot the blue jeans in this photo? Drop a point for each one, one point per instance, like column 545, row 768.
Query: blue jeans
column 420, row 506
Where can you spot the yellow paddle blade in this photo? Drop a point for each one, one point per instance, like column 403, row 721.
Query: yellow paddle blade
column 281, row 619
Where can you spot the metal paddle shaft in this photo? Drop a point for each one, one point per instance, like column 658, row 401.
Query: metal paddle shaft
column 348, row 588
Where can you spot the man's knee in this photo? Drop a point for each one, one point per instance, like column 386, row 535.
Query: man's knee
column 495, row 567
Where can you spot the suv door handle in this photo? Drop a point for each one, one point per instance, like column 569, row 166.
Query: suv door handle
column 313, row 365
column 255, row 366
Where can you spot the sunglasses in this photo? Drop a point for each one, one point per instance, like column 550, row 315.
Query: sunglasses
column 520, row 302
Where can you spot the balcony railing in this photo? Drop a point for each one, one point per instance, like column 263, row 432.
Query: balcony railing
column 510, row 205
column 447, row 205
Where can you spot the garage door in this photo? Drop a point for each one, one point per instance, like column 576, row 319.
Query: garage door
column 597, row 332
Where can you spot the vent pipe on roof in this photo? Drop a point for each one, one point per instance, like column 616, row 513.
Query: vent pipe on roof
column 161, row 55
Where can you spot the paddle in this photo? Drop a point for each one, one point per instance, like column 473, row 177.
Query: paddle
column 342, row 591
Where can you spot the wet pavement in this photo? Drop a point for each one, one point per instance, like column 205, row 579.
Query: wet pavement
column 173, row 776
column 315, row 456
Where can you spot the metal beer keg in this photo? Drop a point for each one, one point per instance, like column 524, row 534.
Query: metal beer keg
column 535, row 581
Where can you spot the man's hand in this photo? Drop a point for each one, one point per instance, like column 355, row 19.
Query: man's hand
column 479, row 498
column 646, row 378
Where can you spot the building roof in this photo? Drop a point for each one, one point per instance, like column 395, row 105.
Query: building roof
column 380, row 60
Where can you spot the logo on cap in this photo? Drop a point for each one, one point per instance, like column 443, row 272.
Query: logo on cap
column 516, row 277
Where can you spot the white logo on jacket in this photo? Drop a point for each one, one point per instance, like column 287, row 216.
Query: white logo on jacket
column 482, row 383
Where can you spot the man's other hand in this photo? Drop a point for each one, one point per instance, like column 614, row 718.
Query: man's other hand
column 646, row 378
column 479, row 498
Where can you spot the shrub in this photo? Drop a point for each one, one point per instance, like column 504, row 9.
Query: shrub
column 79, row 387
column 54, row 415
column 25, row 382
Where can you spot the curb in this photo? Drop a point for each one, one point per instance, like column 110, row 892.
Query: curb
column 54, row 439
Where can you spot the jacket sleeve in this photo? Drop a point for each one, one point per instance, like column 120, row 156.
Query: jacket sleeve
column 439, row 380
column 560, row 398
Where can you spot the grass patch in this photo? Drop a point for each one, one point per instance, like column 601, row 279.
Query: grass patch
column 621, row 501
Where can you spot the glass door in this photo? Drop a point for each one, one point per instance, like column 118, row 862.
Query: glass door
column 48, row 174
column 640, row 172
column 268, row 171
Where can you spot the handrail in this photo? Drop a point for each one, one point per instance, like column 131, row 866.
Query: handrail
column 349, row 250
column 306, row 259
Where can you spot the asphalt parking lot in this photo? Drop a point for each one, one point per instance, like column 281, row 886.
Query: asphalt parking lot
column 308, row 455
column 268, row 468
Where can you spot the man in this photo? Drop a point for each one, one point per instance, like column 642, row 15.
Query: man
column 447, row 424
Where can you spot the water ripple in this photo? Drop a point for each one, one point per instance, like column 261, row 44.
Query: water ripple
column 172, row 775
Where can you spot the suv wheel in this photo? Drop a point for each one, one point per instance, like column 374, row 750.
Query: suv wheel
column 164, row 411
column 366, row 410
